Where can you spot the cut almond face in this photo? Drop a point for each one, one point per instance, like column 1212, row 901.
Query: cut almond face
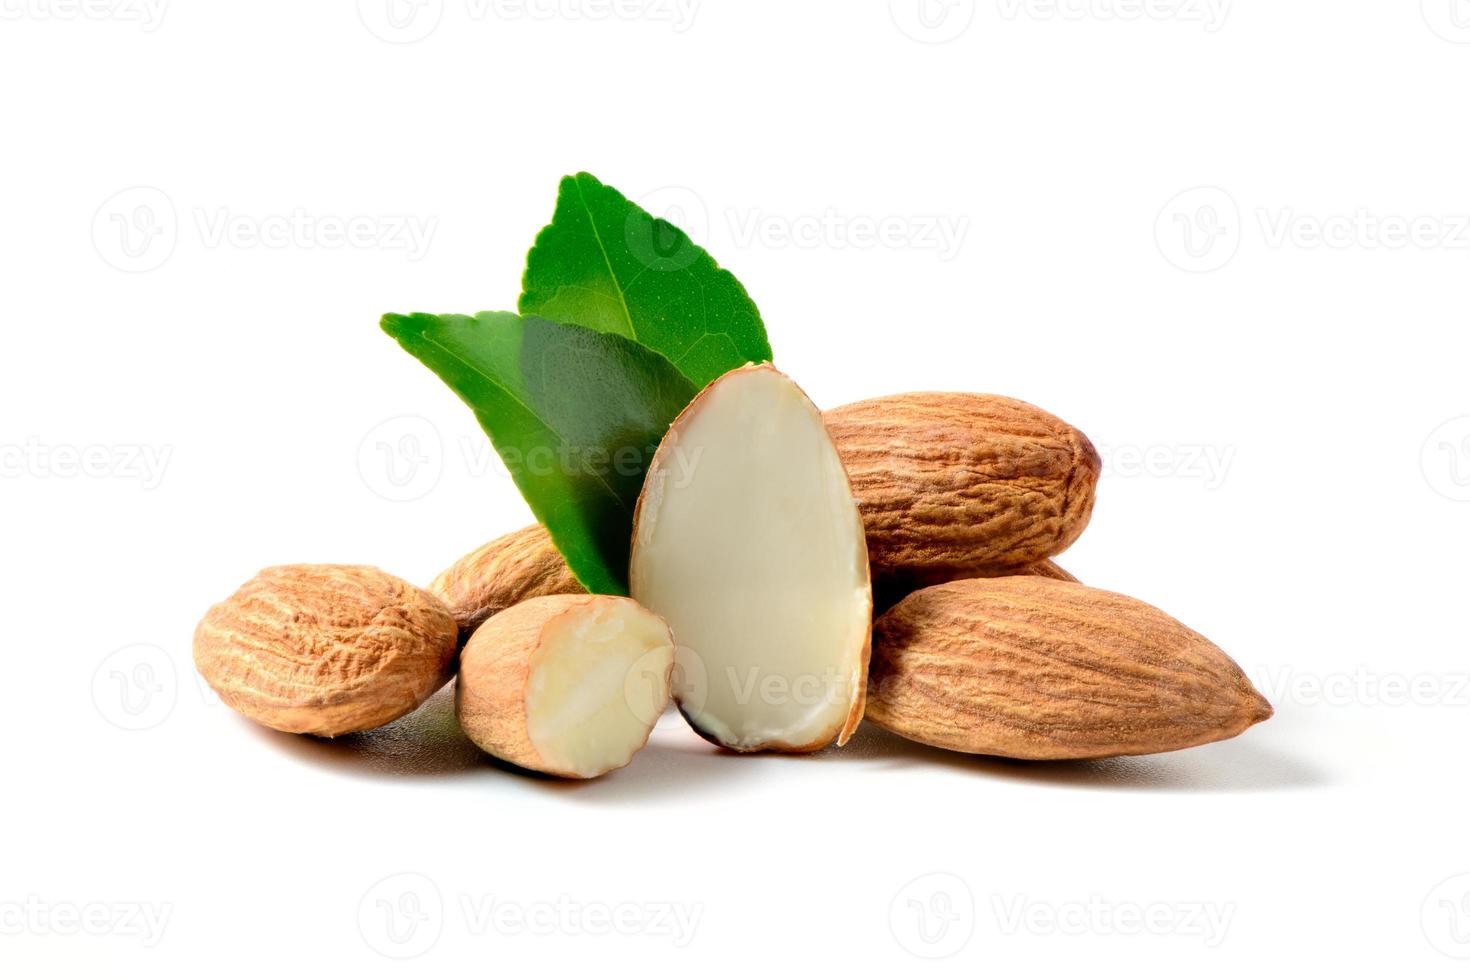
column 747, row 539
column 567, row 685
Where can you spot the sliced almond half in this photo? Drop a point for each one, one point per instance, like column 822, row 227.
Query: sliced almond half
column 568, row 685
column 747, row 539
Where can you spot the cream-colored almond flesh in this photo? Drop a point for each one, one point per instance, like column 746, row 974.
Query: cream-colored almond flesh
column 568, row 685
column 747, row 539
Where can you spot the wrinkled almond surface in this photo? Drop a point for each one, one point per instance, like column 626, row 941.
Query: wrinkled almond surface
column 495, row 576
column 325, row 649
column 1035, row 668
column 949, row 483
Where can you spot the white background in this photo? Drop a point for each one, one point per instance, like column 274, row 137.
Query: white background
column 1229, row 241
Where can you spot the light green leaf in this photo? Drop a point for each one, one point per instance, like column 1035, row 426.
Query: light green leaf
column 575, row 415
column 607, row 264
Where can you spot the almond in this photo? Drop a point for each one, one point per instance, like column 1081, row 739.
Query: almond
column 567, row 685
column 951, row 483
column 1034, row 668
column 890, row 591
column 495, row 576
column 747, row 540
column 325, row 649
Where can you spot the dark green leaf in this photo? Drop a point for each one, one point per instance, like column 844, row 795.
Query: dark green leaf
column 576, row 416
column 607, row 264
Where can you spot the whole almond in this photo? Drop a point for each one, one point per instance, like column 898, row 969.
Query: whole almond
column 892, row 590
column 1034, row 668
column 495, row 576
column 951, row 483
column 325, row 649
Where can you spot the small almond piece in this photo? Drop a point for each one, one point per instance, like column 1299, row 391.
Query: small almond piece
column 951, row 483
column 567, row 685
column 495, row 576
column 325, row 649
column 1033, row 668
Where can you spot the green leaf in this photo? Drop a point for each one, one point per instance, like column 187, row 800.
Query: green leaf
column 574, row 414
column 607, row 264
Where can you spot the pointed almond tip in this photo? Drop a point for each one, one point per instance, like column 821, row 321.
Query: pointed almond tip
column 1261, row 709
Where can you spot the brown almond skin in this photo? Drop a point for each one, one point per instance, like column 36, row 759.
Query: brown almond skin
column 495, row 666
column 495, row 576
column 325, row 649
column 950, row 483
column 892, row 590
column 1035, row 668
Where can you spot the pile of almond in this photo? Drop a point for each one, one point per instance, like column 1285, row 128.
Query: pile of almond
column 765, row 532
